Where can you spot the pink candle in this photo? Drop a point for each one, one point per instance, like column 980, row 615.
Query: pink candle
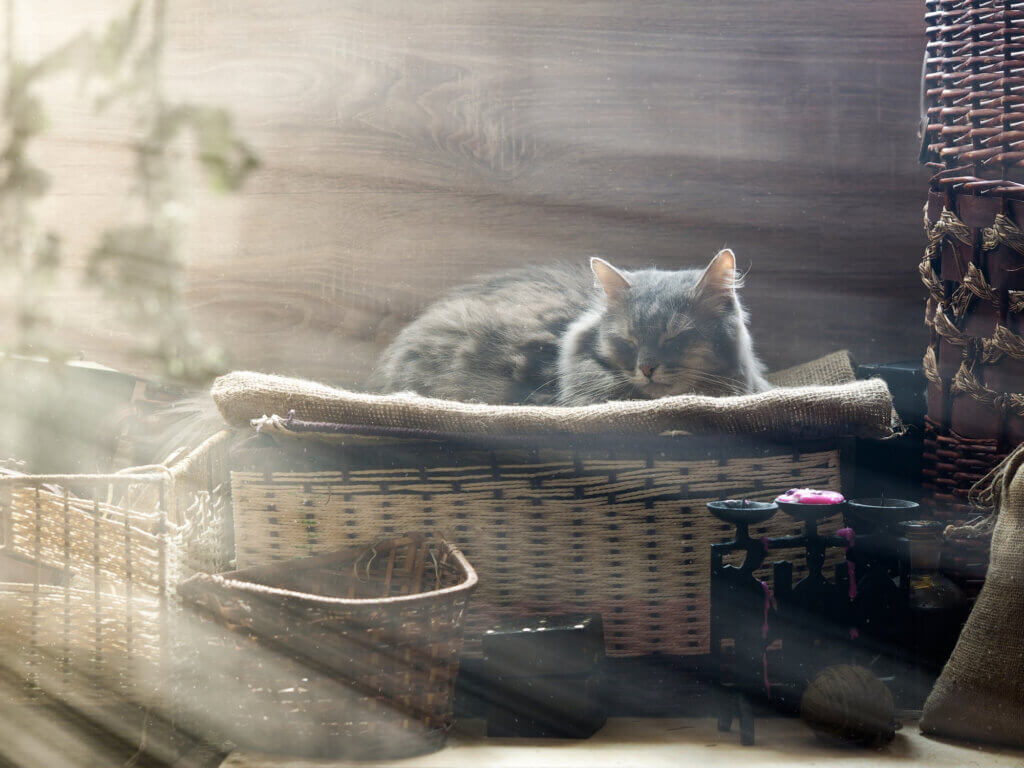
column 810, row 496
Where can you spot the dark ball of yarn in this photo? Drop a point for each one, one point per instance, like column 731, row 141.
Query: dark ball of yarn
column 849, row 705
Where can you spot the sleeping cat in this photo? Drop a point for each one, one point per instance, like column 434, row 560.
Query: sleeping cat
column 567, row 335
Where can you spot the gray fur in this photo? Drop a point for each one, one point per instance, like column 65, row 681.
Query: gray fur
column 552, row 335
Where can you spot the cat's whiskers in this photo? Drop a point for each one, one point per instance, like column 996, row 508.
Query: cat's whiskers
column 695, row 377
column 597, row 390
column 550, row 381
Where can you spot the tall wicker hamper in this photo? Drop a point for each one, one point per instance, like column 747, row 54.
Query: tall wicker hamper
column 973, row 266
column 90, row 617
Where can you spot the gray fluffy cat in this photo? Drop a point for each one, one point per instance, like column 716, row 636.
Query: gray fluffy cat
column 570, row 336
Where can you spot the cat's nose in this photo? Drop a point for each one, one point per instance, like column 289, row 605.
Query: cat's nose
column 648, row 369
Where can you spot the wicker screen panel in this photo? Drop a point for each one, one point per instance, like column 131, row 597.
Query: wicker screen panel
column 627, row 537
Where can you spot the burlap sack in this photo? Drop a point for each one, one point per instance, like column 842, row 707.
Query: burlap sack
column 980, row 694
column 819, row 398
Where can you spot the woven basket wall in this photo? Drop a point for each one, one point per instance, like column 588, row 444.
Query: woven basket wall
column 973, row 265
column 100, row 555
column 613, row 525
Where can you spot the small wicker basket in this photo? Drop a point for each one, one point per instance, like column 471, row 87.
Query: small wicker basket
column 349, row 654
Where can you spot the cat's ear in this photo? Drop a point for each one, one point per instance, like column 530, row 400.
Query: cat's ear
column 718, row 283
column 613, row 281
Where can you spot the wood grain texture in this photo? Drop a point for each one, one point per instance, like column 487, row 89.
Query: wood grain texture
column 409, row 146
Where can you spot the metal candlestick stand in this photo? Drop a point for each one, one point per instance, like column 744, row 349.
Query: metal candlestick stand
column 820, row 622
column 740, row 608
column 810, row 616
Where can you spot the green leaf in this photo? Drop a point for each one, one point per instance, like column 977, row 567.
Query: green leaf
column 226, row 159
column 110, row 50
column 75, row 52
column 26, row 179
column 28, row 118
column 138, row 266
column 48, row 253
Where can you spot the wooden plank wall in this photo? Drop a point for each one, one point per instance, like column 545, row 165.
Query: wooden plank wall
column 407, row 146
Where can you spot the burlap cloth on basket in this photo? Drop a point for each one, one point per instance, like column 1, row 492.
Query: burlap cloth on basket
column 980, row 694
column 821, row 397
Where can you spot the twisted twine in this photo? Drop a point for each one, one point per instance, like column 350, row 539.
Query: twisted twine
column 931, row 280
column 931, row 367
column 947, row 330
column 947, row 225
column 964, row 383
column 974, row 285
column 1002, row 232
column 1004, row 342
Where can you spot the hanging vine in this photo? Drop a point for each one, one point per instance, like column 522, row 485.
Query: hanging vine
column 141, row 264
column 29, row 254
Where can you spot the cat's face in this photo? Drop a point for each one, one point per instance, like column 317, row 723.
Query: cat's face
column 671, row 333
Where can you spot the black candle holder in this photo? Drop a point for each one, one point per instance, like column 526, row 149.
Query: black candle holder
column 935, row 610
column 872, row 516
column 814, row 613
column 879, row 605
column 809, row 613
column 740, row 605
column 871, row 612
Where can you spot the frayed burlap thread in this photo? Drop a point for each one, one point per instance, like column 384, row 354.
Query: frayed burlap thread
column 980, row 694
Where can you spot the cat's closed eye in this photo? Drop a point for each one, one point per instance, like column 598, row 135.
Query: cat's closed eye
column 679, row 339
column 625, row 349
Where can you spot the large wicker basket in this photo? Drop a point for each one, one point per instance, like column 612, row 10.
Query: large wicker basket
column 604, row 524
column 350, row 654
column 597, row 509
column 973, row 265
column 90, row 563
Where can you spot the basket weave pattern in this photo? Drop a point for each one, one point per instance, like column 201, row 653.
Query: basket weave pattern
column 623, row 533
column 104, row 552
column 973, row 269
column 974, row 106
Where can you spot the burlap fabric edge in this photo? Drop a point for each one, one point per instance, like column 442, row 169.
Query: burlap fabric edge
column 820, row 396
